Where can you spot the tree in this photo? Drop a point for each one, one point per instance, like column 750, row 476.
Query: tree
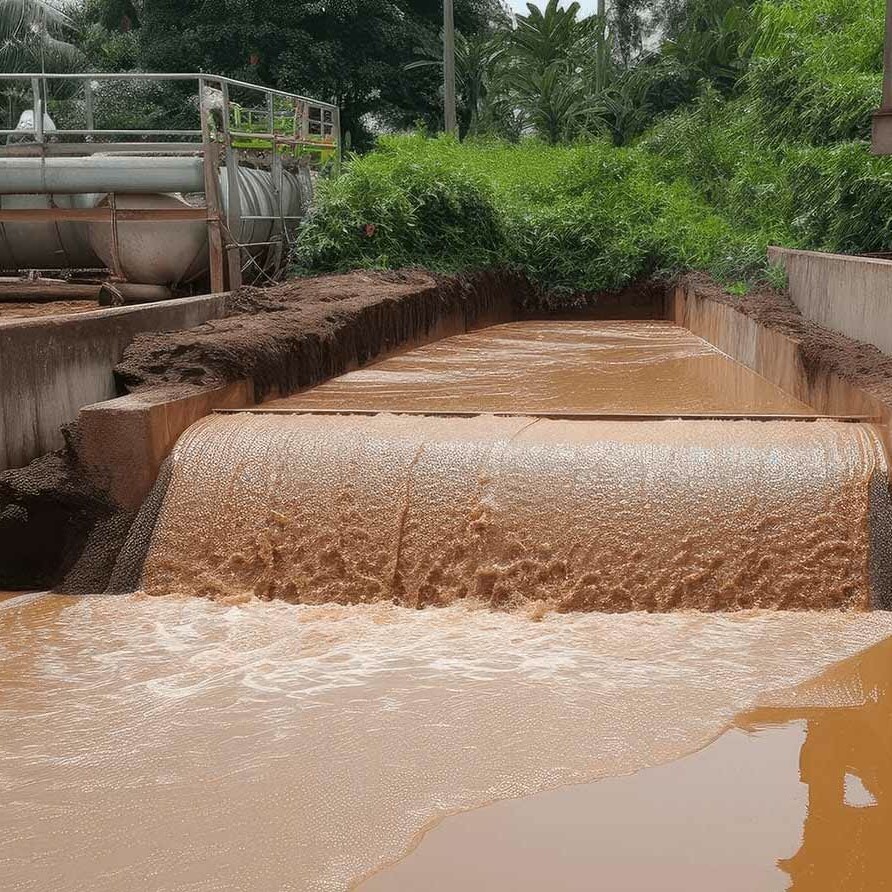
column 554, row 104
column 476, row 63
column 548, row 36
column 548, row 49
column 34, row 36
column 351, row 52
column 712, row 46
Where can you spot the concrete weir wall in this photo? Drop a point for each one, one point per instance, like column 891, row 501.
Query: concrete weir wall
column 849, row 294
column 144, row 426
column 52, row 367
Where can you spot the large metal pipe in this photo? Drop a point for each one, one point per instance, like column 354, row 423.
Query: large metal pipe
column 100, row 173
column 45, row 245
column 153, row 253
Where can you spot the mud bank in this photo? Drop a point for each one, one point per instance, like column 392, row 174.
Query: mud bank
column 299, row 333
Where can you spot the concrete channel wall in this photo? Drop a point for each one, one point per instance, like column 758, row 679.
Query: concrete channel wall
column 849, row 294
column 52, row 367
column 774, row 356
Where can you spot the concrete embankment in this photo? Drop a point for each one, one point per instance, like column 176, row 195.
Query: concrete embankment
column 52, row 367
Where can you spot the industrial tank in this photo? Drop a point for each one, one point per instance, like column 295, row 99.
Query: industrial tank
column 162, row 253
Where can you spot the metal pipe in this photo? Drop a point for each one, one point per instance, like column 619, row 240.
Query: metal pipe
column 108, row 132
column 120, row 293
column 88, row 106
column 37, row 104
column 72, row 176
column 58, row 149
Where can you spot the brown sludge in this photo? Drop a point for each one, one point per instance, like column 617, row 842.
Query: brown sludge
column 13, row 312
column 272, row 746
column 569, row 515
column 798, row 795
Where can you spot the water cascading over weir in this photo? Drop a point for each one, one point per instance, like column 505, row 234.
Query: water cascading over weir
column 581, row 465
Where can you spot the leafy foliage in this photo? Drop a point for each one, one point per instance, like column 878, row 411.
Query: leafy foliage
column 34, row 36
column 351, row 52
column 766, row 151
column 582, row 217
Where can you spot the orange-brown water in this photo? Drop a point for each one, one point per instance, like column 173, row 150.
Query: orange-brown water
column 795, row 796
column 649, row 367
column 180, row 743
column 571, row 515
column 164, row 744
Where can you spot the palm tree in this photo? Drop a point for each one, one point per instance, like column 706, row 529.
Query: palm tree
column 34, row 36
column 476, row 61
column 547, row 36
column 713, row 46
column 548, row 51
column 622, row 110
column 554, row 104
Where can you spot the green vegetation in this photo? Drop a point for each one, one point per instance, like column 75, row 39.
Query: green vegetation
column 749, row 127
column 585, row 216
column 34, row 35
column 667, row 134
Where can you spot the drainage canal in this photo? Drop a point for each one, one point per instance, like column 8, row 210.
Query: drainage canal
column 573, row 475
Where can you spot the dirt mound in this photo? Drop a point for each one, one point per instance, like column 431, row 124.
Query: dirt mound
column 300, row 332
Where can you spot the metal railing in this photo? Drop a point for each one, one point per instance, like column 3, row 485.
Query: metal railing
column 271, row 128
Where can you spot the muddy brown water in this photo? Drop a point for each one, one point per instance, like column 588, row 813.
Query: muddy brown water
column 796, row 795
column 652, row 367
column 166, row 744
column 564, row 514
column 568, row 515
column 228, row 742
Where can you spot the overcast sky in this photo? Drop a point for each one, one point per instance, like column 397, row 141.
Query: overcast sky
column 588, row 6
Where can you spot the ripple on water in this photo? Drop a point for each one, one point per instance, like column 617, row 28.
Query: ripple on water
column 273, row 746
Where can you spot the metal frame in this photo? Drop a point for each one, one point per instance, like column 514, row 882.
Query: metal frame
column 213, row 144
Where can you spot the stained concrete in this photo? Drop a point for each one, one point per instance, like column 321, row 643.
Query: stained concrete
column 848, row 294
column 51, row 367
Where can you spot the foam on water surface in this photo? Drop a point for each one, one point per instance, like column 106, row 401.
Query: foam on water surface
column 183, row 745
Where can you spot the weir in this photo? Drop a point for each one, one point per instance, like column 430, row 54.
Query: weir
column 576, row 465
column 608, row 524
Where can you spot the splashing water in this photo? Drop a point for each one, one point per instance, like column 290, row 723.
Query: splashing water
column 182, row 745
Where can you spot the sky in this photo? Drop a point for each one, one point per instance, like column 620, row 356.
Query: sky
column 588, row 6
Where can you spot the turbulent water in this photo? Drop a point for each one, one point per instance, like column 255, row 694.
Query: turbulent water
column 566, row 514
column 180, row 745
column 192, row 743
column 570, row 515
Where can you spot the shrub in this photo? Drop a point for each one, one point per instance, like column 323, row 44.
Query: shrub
column 784, row 160
column 581, row 217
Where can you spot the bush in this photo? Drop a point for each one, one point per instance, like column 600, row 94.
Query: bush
column 582, row 217
column 784, row 160
column 403, row 206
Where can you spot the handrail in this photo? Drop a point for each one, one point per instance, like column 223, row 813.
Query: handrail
column 311, row 127
column 157, row 76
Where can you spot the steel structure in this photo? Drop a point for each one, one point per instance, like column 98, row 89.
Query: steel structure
column 270, row 133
